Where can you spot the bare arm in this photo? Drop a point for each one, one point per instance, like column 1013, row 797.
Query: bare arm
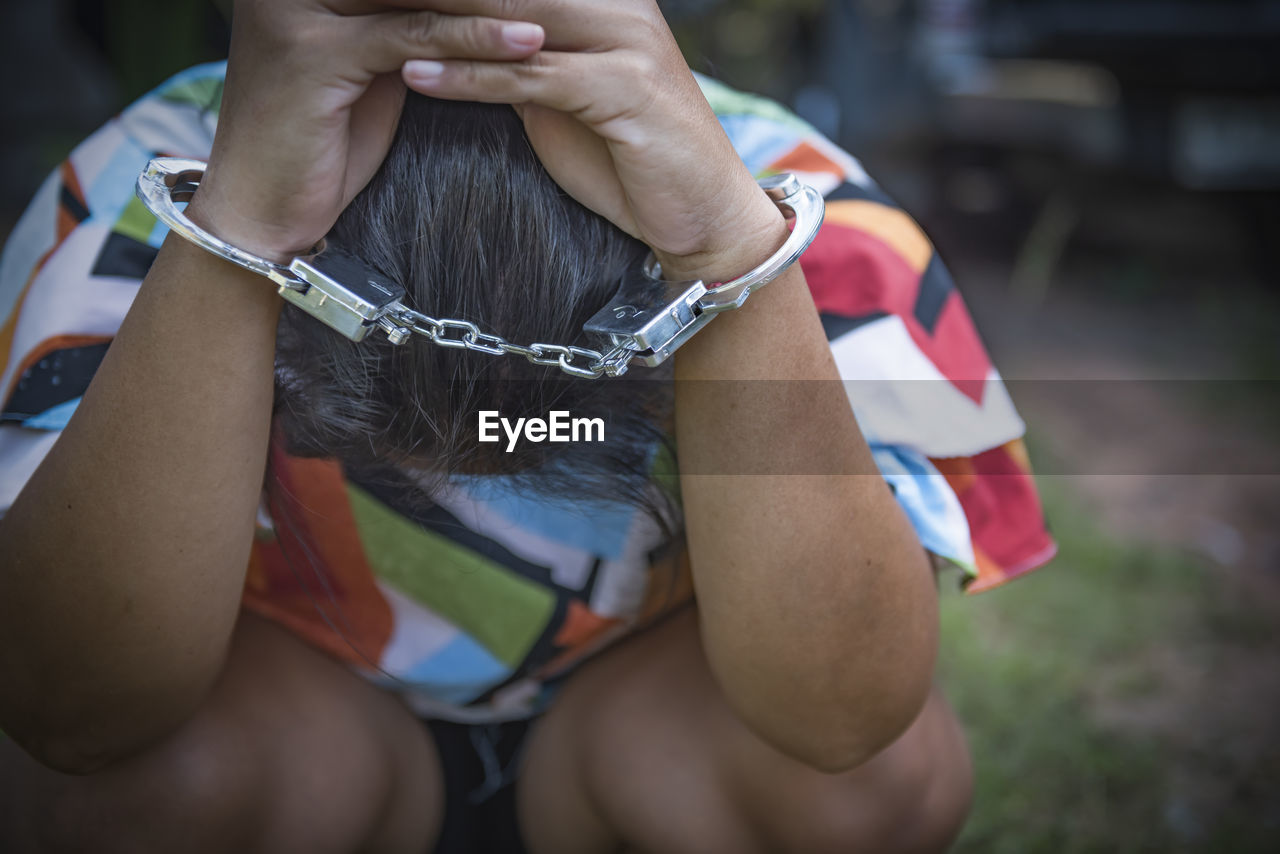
column 818, row 611
column 816, row 599
column 125, row 554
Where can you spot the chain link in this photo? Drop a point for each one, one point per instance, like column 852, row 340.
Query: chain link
column 355, row 311
column 465, row 335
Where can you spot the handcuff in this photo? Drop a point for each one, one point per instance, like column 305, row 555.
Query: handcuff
column 646, row 321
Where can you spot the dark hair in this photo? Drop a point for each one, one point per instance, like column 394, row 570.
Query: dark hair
column 463, row 214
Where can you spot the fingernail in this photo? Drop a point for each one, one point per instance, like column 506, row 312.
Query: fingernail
column 423, row 70
column 522, row 35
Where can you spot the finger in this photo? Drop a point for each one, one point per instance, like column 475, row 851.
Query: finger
column 392, row 38
column 372, row 127
column 592, row 87
column 570, row 24
column 593, row 180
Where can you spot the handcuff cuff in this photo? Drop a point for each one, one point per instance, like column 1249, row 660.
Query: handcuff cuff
column 646, row 321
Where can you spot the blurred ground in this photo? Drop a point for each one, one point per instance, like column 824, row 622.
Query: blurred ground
column 1125, row 698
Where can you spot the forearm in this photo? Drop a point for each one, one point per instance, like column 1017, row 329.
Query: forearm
column 817, row 602
column 125, row 554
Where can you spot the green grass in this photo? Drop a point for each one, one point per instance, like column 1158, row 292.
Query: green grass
column 1033, row 668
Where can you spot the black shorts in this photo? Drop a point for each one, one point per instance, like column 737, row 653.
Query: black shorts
column 480, row 763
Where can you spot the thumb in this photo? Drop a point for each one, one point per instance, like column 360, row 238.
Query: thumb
column 373, row 121
column 579, row 160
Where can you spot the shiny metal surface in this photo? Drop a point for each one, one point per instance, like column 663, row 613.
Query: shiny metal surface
column 807, row 209
column 169, row 181
column 645, row 322
column 654, row 318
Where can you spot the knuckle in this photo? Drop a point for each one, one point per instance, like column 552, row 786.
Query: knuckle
column 538, row 65
column 469, row 73
column 512, row 10
column 534, row 71
column 424, row 28
column 465, row 76
column 477, row 37
column 312, row 34
column 641, row 65
column 453, row 36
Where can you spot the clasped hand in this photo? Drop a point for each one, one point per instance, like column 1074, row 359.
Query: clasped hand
column 315, row 87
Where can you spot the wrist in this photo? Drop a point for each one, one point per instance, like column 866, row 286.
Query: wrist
column 226, row 214
column 753, row 233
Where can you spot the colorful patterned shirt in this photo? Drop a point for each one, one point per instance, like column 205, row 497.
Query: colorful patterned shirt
column 474, row 606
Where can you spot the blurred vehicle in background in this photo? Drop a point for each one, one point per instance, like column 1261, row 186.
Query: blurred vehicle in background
column 1185, row 90
column 1144, row 131
column 1024, row 116
column 1147, row 129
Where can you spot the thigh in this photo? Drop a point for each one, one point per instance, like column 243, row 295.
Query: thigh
column 291, row 752
column 641, row 752
column 604, row 770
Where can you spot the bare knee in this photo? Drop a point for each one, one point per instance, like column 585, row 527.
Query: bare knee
column 913, row 798
column 291, row 752
column 917, row 819
column 195, row 791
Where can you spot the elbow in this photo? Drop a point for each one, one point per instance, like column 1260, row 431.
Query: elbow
column 835, row 744
column 842, row 746
column 84, row 735
column 85, row 750
column 867, row 722
column 71, row 756
column 849, row 721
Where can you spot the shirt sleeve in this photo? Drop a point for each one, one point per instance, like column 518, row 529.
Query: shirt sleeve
column 941, row 425
column 72, row 264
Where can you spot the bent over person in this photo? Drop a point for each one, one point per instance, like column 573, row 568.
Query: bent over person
column 269, row 588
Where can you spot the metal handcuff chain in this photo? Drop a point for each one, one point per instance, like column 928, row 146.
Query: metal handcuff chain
column 645, row 322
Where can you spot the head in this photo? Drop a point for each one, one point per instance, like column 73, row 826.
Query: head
column 464, row 216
